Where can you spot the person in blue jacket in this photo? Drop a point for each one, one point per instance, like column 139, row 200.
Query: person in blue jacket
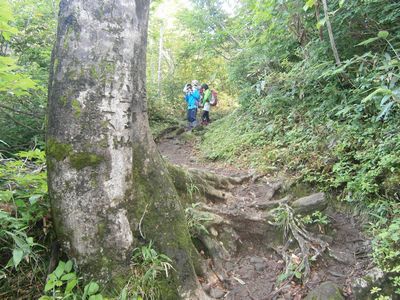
column 192, row 97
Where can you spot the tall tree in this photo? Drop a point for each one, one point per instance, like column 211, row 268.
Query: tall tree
column 330, row 33
column 109, row 187
column 160, row 55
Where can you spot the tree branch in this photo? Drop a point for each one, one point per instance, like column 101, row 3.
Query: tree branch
column 21, row 112
column 235, row 40
column 18, row 122
column 220, row 53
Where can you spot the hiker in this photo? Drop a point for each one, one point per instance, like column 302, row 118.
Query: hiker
column 197, row 89
column 192, row 98
column 205, row 103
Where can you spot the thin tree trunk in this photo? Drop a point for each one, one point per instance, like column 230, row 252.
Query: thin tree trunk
column 54, row 8
column 152, row 64
column 170, row 62
column 330, row 33
column 318, row 17
column 160, row 56
column 109, row 188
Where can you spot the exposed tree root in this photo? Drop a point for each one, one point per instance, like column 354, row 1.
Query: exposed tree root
column 208, row 234
column 240, row 232
column 310, row 247
column 226, row 224
column 209, row 186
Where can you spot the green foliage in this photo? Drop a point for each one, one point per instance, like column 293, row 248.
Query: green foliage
column 191, row 188
column 236, row 134
column 386, row 244
column 196, row 220
column 37, row 23
column 150, row 268
column 335, row 127
column 377, row 292
column 24, row 226
column 11, row 81
column 23, row 209
column 28, row 29
column 316, row 217
column 63, row 283
column 282, row 217
column 162, row 116
column 6, row 16
column 292, row 270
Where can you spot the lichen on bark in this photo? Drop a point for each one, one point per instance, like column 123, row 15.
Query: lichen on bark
column 106, row 176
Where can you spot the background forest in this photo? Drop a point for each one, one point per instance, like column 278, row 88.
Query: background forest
column 287, row 106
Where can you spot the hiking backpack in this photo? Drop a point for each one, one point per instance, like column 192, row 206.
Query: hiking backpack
column 214, row 98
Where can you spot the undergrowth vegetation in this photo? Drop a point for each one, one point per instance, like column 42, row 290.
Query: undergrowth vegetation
column 148, row 267
column 24, row 220
column 26, row 237
column 334, row 126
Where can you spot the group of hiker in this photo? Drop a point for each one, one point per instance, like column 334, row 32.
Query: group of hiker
column 198, row 96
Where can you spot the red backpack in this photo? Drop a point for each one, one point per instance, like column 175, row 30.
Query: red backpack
column 214, row 98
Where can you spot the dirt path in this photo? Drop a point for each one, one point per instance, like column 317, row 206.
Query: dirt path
column 254, row 263
column 184, row 153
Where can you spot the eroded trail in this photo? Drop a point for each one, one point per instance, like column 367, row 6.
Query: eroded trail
column 248, row 255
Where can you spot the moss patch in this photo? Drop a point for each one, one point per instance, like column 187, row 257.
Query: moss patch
column 76, row 106
column 63, row 100
column 57, row 150
column 82, row 160
column 155, row 190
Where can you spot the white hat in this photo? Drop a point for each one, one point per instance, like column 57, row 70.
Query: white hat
column 195, row 82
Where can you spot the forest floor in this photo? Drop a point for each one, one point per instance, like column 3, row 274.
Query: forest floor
column 253, row 266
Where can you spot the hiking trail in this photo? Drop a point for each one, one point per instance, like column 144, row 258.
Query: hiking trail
column 247, row 254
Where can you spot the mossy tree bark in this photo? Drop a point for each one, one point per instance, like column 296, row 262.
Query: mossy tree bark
column 109, row 187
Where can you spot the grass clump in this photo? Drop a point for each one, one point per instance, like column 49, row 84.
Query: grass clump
column 150, row 269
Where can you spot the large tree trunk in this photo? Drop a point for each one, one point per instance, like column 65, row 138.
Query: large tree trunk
column 109, row 188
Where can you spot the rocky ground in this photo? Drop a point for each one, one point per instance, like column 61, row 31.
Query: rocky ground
column 248, row 254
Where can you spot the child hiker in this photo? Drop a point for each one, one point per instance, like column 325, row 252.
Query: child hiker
column 205, row 118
